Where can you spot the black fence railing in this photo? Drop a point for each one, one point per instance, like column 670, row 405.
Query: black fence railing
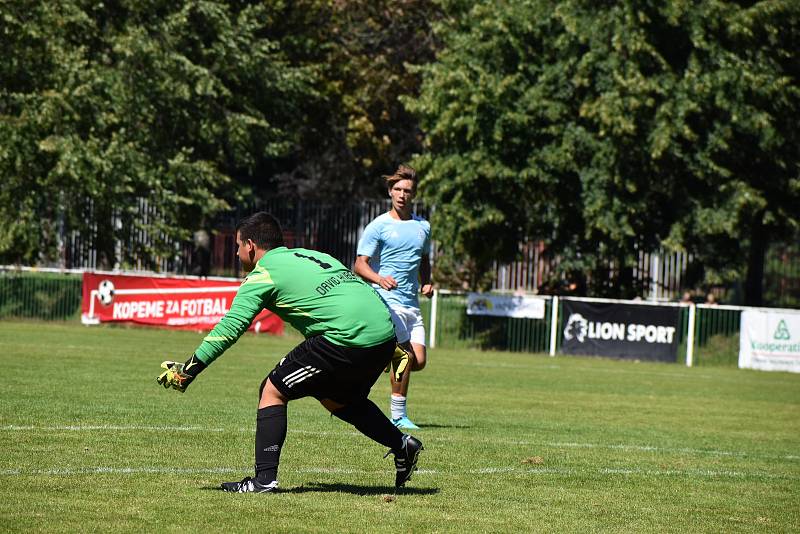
column 336, row 228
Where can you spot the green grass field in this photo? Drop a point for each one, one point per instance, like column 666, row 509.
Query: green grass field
column 514, row 443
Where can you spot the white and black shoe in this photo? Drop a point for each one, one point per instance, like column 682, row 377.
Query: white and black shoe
column 249, row 485
column 405, row 459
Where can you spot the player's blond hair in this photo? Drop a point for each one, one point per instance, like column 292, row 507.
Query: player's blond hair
column 403, row 172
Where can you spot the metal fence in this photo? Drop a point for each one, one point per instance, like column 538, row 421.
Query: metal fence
column 336, row 228
column 333, row 229
column 714, row 340
column 782, row 274
column 450, row 326
column 133, row 243
column 37, row 295
column 716, row 335
column 714, row 329
column 662, row 275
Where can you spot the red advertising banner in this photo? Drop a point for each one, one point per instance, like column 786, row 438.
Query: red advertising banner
column 170, row 302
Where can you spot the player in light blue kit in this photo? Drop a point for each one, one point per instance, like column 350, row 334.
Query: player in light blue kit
column 394, row 255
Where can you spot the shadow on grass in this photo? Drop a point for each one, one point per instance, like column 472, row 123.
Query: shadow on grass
column 355, row 489
column 434, row 425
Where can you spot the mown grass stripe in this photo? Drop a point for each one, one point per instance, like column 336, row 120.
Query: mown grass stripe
column 497, row 470
column 556, row 445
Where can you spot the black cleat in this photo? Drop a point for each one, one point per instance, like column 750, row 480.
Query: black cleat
column 405, row 459
column 249, row 485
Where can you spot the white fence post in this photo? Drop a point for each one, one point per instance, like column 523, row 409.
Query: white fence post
column 655, row 271
column 553, row 325
column 434, row 312
column 690, row 337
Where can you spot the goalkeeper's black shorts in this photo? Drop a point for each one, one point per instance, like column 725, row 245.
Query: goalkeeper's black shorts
column 323, row 370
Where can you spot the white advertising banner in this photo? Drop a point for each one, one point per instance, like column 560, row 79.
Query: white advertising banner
column 770, row 341
column 519, row 306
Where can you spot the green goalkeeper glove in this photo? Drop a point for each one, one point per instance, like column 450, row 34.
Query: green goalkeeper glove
column 179, row 375
column 400, row 360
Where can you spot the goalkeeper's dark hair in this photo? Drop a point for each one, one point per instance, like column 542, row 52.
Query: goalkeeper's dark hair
column 263, row 229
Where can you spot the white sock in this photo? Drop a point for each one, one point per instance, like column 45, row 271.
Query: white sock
column 398, row 405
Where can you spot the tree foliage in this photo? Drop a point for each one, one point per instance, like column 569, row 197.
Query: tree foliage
column 602, row 128
column 609, row 128
column 107, row 106
column 185, row 106
column 364, row 130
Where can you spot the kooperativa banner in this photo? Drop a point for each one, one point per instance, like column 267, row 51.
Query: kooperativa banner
column 632, row 331
column 770, row 340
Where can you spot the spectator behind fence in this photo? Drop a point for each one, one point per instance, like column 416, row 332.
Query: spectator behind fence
column 201, row 257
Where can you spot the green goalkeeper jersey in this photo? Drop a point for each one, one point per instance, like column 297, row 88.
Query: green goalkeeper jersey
column 311, row 291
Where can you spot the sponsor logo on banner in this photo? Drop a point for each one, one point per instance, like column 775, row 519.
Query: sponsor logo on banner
column 770, row 340
column 171, row 302
column 518, row 306
column 581, row 329
column 621, row 330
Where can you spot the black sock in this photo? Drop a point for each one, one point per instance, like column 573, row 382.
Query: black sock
column 270, row 435
column 370, row 421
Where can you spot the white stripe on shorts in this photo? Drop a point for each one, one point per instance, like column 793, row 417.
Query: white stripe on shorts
column 300, row 375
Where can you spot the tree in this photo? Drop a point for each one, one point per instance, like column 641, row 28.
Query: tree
column 362, row 130
column 610, row 128
column 106, row 105
column 733, row 133
column 186, row 107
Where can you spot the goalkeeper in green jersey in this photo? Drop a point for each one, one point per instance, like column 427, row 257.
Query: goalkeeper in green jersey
column 349, row 341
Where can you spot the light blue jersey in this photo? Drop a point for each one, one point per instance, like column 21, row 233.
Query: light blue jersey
column 395, row 249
